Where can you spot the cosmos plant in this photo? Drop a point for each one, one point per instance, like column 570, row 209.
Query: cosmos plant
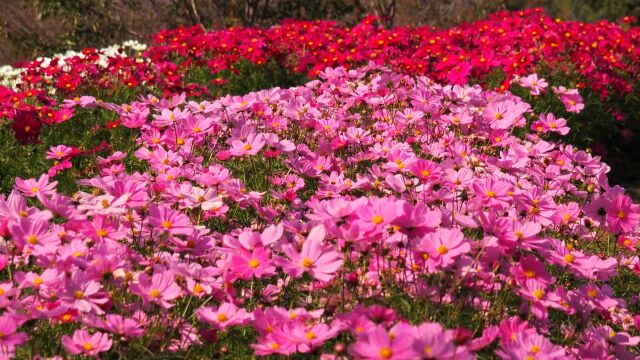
column 366, row 214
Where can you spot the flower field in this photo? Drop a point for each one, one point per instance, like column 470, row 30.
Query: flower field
column 315, row 191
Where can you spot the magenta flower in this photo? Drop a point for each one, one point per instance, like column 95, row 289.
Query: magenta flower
column 549, row 123
column 224, row 316
column 319, row 260
column 159, row 289
column 165, row 219
column 84, row 294
column 251, row 146
column 38, row 188
column 535, row 84
column 257, row 263
column 376, row 216
column 8, row 327
column 378, row 344
column 444, row 246
column 33, row 236
column 59, row 152
column 528, row 345
column 85, row 344
column 571, row 99
column 622, row 214
column 117, row 324
column 491, row 192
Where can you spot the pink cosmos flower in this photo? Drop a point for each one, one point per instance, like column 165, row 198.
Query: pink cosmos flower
column 375, row 217
column 537, row 85
column 267, row 345
column 33, row 236
column 491, row 192
column 527, row 345
column 224, row 316
column 431, row 341
column 59, row 152
column 502, row 115
column 549, row 123
column 117, row 324
column 8, row 327
column 83, row 343
column 33, row 187
column 319, row 260
column 622, row 214
column 169, row 117
column 159, row 289
column 378, row 344
column 426, row 170
column 570, row 98
column 251, row 146
column 165, row 219
column 84, row 294
column 207, row 199
column 257, row 263
column 306, row 337
column 444, row 246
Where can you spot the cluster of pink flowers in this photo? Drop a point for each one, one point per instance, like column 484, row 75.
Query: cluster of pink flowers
column 604, row 55
column 309, row 214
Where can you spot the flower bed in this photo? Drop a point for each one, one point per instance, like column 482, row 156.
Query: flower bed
column 599, row 59
column 366, row 214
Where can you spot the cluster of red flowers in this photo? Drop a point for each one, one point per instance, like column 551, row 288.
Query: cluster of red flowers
column 604, row 54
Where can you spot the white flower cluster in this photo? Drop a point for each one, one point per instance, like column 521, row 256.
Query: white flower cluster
column 10, row 76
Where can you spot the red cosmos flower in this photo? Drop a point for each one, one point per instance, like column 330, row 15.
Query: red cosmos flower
column 26, row 127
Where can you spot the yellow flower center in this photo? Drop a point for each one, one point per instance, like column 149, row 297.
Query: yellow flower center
column 569, row 258
column 535, row 349
column 592, row 293
column 248, row 147
column 377, row 219
column 442, row 250
column 197, row 288
column 310, row 335
column 87, row 346
column 254, row 263
column 78, row 294
column 621, row 214
column 222, row 317
column 538, row 293
column 37, row 281
column 154, row 293
column 385, row 353
column 32, row 239
column 530, row 274
column 101, row 232
column 490, row 194
column 307, row 263
column 167, row 224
